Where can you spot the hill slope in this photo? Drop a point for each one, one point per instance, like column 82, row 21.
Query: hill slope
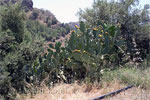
column 40, row 21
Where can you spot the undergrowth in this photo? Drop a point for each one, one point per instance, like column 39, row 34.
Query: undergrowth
column 130, row 76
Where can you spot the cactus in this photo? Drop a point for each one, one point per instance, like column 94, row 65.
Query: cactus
column 86, row 52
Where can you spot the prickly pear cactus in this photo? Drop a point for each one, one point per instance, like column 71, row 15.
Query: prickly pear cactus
column 86, row 53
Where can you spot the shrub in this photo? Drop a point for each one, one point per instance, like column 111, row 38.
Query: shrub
column 85, row 54
column 13, row 20
column 18, row 50
column 34, row 15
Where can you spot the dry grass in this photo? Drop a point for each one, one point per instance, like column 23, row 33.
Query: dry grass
column 112, row 81
column 87, row 92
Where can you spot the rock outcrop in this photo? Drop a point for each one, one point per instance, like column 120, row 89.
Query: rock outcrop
column 27, row 4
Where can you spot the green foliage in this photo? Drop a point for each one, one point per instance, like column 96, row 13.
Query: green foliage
column 85, row 54
column 126, row 14
column 12, row 19
column 138, row 77
column 49, row 22
column 100, row 42
column 39, row 22
column 46, row 32
column 18, row 50
column 34, row 15
column 96, row 45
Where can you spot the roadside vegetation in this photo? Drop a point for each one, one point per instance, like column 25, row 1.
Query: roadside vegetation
column 129, row 76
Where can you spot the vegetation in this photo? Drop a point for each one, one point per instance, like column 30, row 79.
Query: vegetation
column 18, row 50
column 138, row 77
column 93, row 49
column 99, row 49
column 44, row 23
column 47, row 33
column 126, row 13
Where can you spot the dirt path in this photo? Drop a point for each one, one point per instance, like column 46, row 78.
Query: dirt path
column 132, row 94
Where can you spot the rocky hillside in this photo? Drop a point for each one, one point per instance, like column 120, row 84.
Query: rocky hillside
column 26, row 4
column 40, row 21
column 43, row 16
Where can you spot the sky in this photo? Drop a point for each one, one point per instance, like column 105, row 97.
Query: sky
column 66, row 10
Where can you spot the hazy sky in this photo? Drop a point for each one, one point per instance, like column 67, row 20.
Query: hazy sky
column 65, row 10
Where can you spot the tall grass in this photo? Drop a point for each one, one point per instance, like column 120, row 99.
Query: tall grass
column 135, row 76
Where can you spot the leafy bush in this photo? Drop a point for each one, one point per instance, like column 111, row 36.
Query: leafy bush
column 134, row 23
column 12, row 19
column 34, row 15
column 18, row 50
column 85, row 54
